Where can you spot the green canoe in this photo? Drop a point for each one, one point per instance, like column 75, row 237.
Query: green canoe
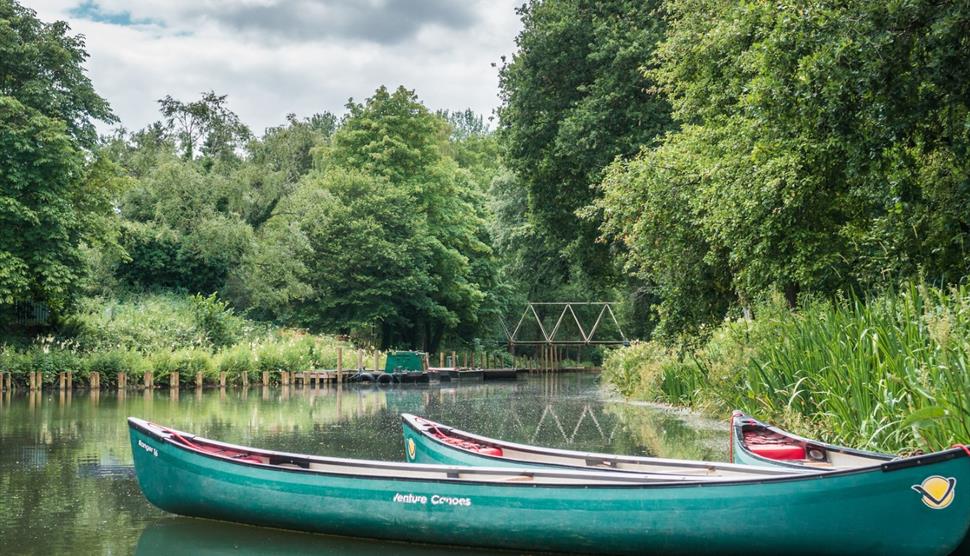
column 762, row 445
column 765, row 446
column 426, row 441
column 874, row 510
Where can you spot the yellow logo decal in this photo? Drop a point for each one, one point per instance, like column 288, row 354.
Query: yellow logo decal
column 411, row 448
column 938, row 492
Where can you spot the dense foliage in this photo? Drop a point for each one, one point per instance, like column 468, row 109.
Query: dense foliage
column 54, row 196
column 164, row 334
column 574, row 98
column 374, row 226
column 822, row 147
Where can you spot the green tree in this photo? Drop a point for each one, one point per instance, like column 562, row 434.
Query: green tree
column 180, row 232
column 396, row 227
column 276, row 163
column 574, row 98
column 822, row 148
column 53, row 201
column 204, row 127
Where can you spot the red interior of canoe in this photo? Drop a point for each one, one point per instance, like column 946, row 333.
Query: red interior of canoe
column 772, row 445
column 214, row 450
column 460, row 442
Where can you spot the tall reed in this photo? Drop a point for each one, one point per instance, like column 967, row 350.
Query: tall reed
column 890, row 372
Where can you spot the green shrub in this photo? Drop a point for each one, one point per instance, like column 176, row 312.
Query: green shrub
column 165, row 333
column 114, row 361
column 216, row 321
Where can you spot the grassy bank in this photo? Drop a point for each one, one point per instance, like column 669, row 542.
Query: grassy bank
column 889, row 373
column 166, row 333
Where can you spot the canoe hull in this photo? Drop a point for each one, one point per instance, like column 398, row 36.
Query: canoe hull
column 796, row 515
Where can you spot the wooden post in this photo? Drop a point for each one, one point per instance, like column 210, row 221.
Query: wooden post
column 173, row 380
column 340, row 365
column 441, row 359
column 61, row 381
column 427, row 362
column 70, row 380
column 285, row 376
column 198, row 380
column 122, row 381
column 148, row 380
column 464, row 359
column 245, row 379
column 360, row 359
column 222, row 379
column 265, row 378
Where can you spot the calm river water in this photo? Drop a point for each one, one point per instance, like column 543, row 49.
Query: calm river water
column 67, row 485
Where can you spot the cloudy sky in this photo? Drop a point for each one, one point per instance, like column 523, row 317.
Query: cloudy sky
column 273, row 57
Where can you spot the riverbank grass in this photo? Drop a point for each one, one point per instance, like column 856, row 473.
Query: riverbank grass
column 166, row 333
column 887, row 373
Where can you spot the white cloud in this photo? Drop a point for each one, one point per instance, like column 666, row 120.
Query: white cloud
column 269, row 58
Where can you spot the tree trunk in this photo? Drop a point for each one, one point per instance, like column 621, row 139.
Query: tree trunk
column 791, row 294
column 434, row 342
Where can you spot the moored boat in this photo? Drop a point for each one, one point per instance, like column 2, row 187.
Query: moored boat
column 763, row 445
column 873, row 510
column 429, row 442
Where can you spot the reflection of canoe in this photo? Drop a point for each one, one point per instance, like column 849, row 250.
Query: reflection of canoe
column 176, row 536
column 760, row 444
column 430, row 442
column 863, row 511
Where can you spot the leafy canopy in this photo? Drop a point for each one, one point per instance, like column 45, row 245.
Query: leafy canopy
column 54, row 196
column 823, row 147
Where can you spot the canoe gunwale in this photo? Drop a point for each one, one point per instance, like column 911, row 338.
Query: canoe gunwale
column 410, row 421
column 889, row 464
column 452, row 473
column 617, row 480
